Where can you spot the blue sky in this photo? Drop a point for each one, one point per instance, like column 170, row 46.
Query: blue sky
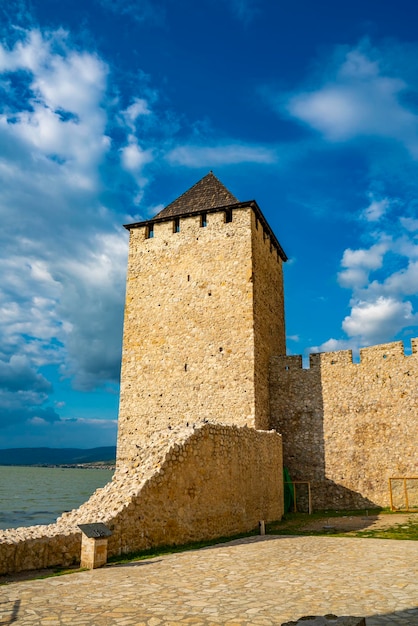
column 110, row 109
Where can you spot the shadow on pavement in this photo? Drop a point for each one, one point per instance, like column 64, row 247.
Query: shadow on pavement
column 9, row 614
column 407, row 617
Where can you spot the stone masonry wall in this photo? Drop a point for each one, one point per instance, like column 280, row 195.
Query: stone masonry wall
column 348, row 427
column 269, row 327
column 188, row 351
column 190, row 484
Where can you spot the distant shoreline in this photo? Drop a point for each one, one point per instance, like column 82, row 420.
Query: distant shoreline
column 101, row 466
column 98, row 458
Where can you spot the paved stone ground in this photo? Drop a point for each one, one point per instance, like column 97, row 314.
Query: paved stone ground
column 256, row 581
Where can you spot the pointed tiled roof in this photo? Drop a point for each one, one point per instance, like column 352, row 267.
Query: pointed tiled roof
column 208, row 193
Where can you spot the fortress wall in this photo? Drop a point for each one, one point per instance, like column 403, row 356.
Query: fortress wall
column 348, row 426
column 269, row 330
column 220, row 481
column 190, row 485
column 296, row 413
column 188, row 349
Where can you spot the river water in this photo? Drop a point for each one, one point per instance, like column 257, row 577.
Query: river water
column 38, row 495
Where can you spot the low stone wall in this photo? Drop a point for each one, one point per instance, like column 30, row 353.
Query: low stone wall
column 189, row 484
column 38, row 547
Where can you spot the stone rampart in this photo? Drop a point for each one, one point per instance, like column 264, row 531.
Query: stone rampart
column 348, row 427
column 189, row 484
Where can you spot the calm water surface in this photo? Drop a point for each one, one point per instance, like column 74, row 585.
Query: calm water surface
column 38, row 495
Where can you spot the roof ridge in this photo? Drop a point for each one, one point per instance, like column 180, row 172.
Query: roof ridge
column 192, row 187
column 206, row 193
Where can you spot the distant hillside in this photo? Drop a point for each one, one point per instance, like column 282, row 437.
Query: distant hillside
column 56, row 456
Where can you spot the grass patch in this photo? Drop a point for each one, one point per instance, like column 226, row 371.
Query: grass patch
column 399, row 531
column 39, row 574
column 291, row 524
column 161, row 550
column 63, row 571
column 295, row 523
column 348, row 524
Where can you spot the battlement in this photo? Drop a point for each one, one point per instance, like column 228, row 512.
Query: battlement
column 208, row 219
column 161, row 228
column 372, row 355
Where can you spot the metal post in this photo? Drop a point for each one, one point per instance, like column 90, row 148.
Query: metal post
column 406, row 494
column 391, row 495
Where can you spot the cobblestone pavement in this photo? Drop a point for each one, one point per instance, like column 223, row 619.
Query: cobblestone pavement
column 254, row 581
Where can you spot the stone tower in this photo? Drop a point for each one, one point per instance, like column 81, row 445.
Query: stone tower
column 204, row 313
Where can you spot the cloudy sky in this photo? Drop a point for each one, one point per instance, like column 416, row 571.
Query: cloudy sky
column 110, row 109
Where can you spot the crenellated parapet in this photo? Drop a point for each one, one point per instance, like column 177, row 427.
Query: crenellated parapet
column 348, row 426
column 376, row 355
column 385, row 351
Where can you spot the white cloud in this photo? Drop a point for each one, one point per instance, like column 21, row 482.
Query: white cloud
column 19, row 375
column 37, row 421
column 361, row 99
column 364, row 258
column 62, row 246
column 403, row 282
column 376, row 209
column 373, row 322
column 359, row 263
column 353, row 277
column 26, row 54
column 206, row 156
column 139, row 108
column 95, row 315
column 362, row 103
column 134, row 158
column 382, row 305
column 74, row 82
column 334, row 345
column 410, row 224
column 153, row 210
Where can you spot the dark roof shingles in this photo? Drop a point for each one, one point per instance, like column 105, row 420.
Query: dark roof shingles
column 207, row 193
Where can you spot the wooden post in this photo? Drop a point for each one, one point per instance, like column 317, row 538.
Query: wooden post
column 406, row 494
column 391, row 495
